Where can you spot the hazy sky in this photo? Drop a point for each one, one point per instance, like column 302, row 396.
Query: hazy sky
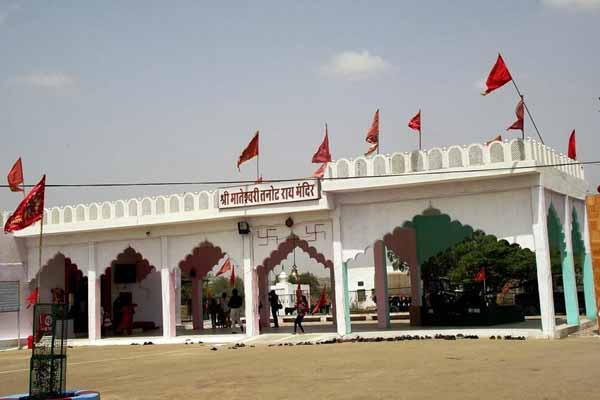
column 172, row 91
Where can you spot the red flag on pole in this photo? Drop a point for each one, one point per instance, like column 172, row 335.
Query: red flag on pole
column 319, row 173
column 415, row 122
column 15, row 176
column 250, row 151
column 32, row 298
column 496, row 139
column 572, row 153
column 373, row 134
column 30, row 210
column 225, row 267
column 480, row 276
column 232, row 277
column 322, row 301
column 323, row 155
column 498, row 77
column 520, row 112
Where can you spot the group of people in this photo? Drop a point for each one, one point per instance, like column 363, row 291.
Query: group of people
column 226, row 313
column 301, row 310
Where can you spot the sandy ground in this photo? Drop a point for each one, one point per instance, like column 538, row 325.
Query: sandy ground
column 432, row 369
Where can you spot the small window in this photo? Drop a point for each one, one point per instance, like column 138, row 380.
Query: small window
column 361, row 295
column 361, row 283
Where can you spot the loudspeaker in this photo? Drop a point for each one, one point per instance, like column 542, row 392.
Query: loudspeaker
column 243, row 228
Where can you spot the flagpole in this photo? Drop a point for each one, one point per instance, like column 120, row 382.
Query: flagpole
column 420, row 127
column 40, row 257
column 528, row 113
column 257, row 167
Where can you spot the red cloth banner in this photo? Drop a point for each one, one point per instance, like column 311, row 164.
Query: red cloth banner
column 232, row 278
column 30, row 210
column 15, row 177
column 322, row 301
column 319, row 173
column 226, row 267
column 480, row 276
column 373, row 132
column 520, row 112
column 249, row 152
column 372, row 149
column 415, row 122
column 498, row 77
column 323, row 155
column 32, row 298
column 572, row 153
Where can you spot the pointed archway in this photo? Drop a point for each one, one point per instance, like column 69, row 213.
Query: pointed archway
column 197, row 265
column 278, row 255
column 130, row 281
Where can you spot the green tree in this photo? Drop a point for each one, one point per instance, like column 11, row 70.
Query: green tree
column 503, row 262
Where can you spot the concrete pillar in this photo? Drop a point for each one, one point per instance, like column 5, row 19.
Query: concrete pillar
column 381, row 289
column 167, row 284
column 332, row 281
column 250, row 290
column 591, row 308
column 197, row 313
column 542, row 259
column 263, row 296
column 568, row 269
column 339, row 272
column 178, row 296
column 94, row 314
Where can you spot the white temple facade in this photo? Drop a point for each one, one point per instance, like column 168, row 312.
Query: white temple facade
column 505, row 189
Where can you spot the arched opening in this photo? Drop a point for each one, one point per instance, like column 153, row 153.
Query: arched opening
column 62, row 282
column 316, row 285
column 455, row 276
column 130, row 296
column 204, row 297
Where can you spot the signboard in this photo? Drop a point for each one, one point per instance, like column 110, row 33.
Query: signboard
column 9, row 296
column 269, row 193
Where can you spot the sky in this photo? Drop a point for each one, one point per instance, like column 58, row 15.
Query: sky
column 94, row 92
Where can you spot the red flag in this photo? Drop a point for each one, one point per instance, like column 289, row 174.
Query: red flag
column 232, row 277
column 226, row 267
column 15, row 176
column 520, row 112
column 373, row 134
column 415, row 122
column 499, row 76
column 480, row 276
column 32, row 298
column 322, row 301
column 319, row 173
column 572, row 153
column 496, row 139
column 323, row 155
column 30, row 210
column 372, row 148
column 250, row 151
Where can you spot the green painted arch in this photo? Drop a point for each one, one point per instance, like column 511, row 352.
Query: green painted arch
column 435, row 232
column 578, row 245
column 562, row 263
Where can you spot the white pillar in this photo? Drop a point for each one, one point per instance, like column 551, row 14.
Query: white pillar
column 177, row 296
column 250, row 290
column 542, row 259
column 167, row 284
column 94, row 317
column 342, row 307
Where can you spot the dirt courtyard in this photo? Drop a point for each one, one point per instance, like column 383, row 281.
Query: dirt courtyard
column 431, row 369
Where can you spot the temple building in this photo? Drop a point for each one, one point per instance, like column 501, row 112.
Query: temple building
column 415, row 205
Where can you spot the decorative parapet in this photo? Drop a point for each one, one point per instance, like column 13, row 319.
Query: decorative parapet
column 205, row 203
column 474, row 156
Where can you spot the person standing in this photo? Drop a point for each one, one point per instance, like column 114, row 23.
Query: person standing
column 301, row 310
column 275, row 306
column 224, row 311
column 235, row 306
